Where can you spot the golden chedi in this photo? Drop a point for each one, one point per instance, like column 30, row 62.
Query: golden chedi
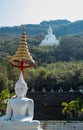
column 22, row 58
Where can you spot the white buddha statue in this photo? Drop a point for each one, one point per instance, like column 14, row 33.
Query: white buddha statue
column 20, row 110
column 50, row 38
column 71, row 90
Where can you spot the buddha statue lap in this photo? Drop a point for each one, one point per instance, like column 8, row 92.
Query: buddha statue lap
column 20, row 111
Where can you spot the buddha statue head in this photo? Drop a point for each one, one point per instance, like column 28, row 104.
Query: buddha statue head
column 50, row 30
column 21, row 87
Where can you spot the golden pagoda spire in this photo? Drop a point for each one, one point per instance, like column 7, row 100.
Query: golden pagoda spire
column 22, row 58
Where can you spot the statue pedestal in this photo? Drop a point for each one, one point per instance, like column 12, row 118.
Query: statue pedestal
column 15, row 128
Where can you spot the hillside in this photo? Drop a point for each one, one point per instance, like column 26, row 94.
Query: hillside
column 56, row 66
column 60, row 28
column 70, row 35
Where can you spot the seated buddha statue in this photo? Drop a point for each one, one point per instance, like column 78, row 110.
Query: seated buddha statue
column 50, row 38
column 20, row 110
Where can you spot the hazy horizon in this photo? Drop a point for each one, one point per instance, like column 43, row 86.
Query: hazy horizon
column 37, row 23
column 18, row 12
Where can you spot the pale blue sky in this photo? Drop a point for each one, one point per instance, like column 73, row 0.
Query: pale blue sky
column 17, row 12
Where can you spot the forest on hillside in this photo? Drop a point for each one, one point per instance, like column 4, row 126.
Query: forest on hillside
column 56, row 66
column 48, row 76
column 70, row 48
column 60, row 28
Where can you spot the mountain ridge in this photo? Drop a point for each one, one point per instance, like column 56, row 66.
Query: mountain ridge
column 60, row 28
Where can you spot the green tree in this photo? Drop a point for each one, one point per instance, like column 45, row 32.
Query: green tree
column 4, row 95
column 71, row 109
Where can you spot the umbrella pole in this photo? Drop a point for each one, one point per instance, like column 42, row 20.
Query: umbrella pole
column 22, row 68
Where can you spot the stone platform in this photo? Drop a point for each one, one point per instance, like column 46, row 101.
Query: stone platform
column 62, row 125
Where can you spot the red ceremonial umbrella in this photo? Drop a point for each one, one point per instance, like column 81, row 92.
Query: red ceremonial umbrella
column 22, row 58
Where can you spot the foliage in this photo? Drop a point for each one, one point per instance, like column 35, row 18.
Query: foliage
column 4, row 95
column 60, row 28
column 69, row 49
column 48, row 76
column 66, row 109
column 56, row 66
column 73, row 108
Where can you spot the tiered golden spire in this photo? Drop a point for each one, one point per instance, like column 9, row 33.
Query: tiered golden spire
column 22, row 58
